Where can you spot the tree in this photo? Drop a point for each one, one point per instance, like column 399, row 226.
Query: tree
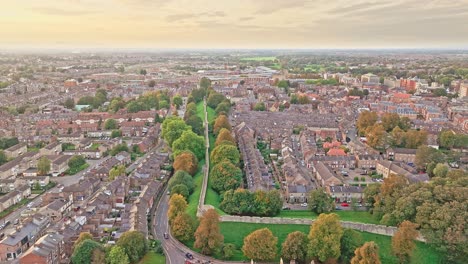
column 177, row 101
column 76, row 162
column 214, row 99
column 224, row 137
column 228, row 250
column 260, row 106
column 83, row 252
column 69, row 103
column 116, row 133
column 350, row 241
column 134, row 244
column 82, row 237
column 295, row 247
column 221, row 122
column 367, row 254
column 98, row 256
column 117, row 256
column 182, row 177
column 365, row 120
column 117, row 171
column 225, row 152
column 177, row 206
column 208, row 237
column 196, row 123
column 260, row 245
column 151, row 83
column 43, row 165
column 375, row 135
column 143, row 72
column 205, row 83
column 172, row 129
column 403, row 241
column 390, row 121
column 426, row 155
column 440, row 170
column 325, row 237
column 3, row 157
column 370, row 192
column 189, row 141
column 223, row 108
column 415, row 138
column 182, row 227
column 190, row 110
column 110, row 124
column 186, row 161
column 320, row 201
column 225, row 176
column 180, row 189
column 447, row 139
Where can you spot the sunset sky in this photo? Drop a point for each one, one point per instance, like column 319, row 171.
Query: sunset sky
column 233, row 24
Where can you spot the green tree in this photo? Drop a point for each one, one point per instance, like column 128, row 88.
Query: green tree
column 447, row 139
column 69, row 103
column 196, row 123
column 320, row 201
column 225, row 152
column 172, row 129
column 440, row 170
column 208, row 237
column 403, row 241
column 205, row 83
column 180, row 189
column 260, row 245
column 367, row 254
column 182, row 177
column 325, row 237
column 350, row 241
column 225, row 176
column 76, row 162
column 426, row 155
column 43, row 165
column 177, row 101
column 228, row 250
column 190, row 110
column 3, row 157
column 143, row 72
column 260, row 106
column 189, row 141
column 295, row 247
column 116, row 133
column 82, row 237
column 177, row 206
column 83, row 252
column 110, row 124
column 223, row 108
column 117, row 255
column 370, row 192
column 214, row 99
column 182, row 227
column 134, row 244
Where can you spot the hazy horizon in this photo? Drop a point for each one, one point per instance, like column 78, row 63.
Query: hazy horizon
column 244, row 24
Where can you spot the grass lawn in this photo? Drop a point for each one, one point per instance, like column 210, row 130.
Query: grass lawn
column 153, row 258
column 258, row 59
column 235, row 233
column 351, row 216
column 211, row 112
column 95, row 146
column 195, row 196
column 14, row 207
column 73, row 171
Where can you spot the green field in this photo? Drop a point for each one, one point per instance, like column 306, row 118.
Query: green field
column 195, row 196
column 153, row 258
column 351, row 216
column 211, row 112
column 258, row 59
column 235, row 233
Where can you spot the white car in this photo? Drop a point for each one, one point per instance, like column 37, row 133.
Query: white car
column 304, row 204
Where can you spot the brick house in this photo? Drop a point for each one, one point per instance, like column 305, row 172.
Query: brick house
column 49, row 249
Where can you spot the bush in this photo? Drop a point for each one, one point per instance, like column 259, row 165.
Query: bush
column 356, row 178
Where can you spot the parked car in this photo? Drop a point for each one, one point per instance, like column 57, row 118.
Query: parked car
column 189, row 255
column 286, row 208
column 345, row 204
column 304, row 204
column 166, row 236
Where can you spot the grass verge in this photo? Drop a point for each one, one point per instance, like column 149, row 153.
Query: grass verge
column 12, row 208
column 153, row 258
column 351, row 216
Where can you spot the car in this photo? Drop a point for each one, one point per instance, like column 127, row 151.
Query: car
column 338, row 209
column 304, row 204
column 189, row 255
column 166, row 236
column 286, row 208
column 344, row 204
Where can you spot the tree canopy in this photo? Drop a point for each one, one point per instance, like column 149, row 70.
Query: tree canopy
column 225, row 152
column 189, row 141
column 367, row 254
column 172, row 129
column 134, row 244
column 320, row 201
column 225, row 176
column 260, row 245
column 186, row 161
column 325, row 237
column 208, row 237
column 295, row 246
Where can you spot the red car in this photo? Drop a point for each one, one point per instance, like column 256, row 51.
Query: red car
column 344, row 204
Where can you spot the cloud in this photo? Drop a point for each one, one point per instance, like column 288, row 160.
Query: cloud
column 188, row 16
column 53, row 11
column 266, row 7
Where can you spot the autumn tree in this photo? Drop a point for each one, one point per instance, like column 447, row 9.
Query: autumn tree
column 447, row 139
column 325, row 237
column 43, row 165
column 225, row 176
column 386, row 200
column 82, row 237
column 426, row 155
column 376, row 135
column 403, row 241
column 182, row 177
column 350, row 241
column 190, row 110
column 370, row 192
column 365, row 120
column 117, row 171
column 390, row 121
column 221, row 122
column 224, row 137
column 367, row 254
column 182, row 227
column 208, row 237
column 189, row 141
column 177, row 206
column 186, row 161
column 134, row 244
column 117, row 255
column 440, row 170
column 320, row 201
column 415, row 138
column 172, row 129
column 295, row 247
column 225, row 153
column 260, row 245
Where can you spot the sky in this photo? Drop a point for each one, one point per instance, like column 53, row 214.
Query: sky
column 246, row 24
